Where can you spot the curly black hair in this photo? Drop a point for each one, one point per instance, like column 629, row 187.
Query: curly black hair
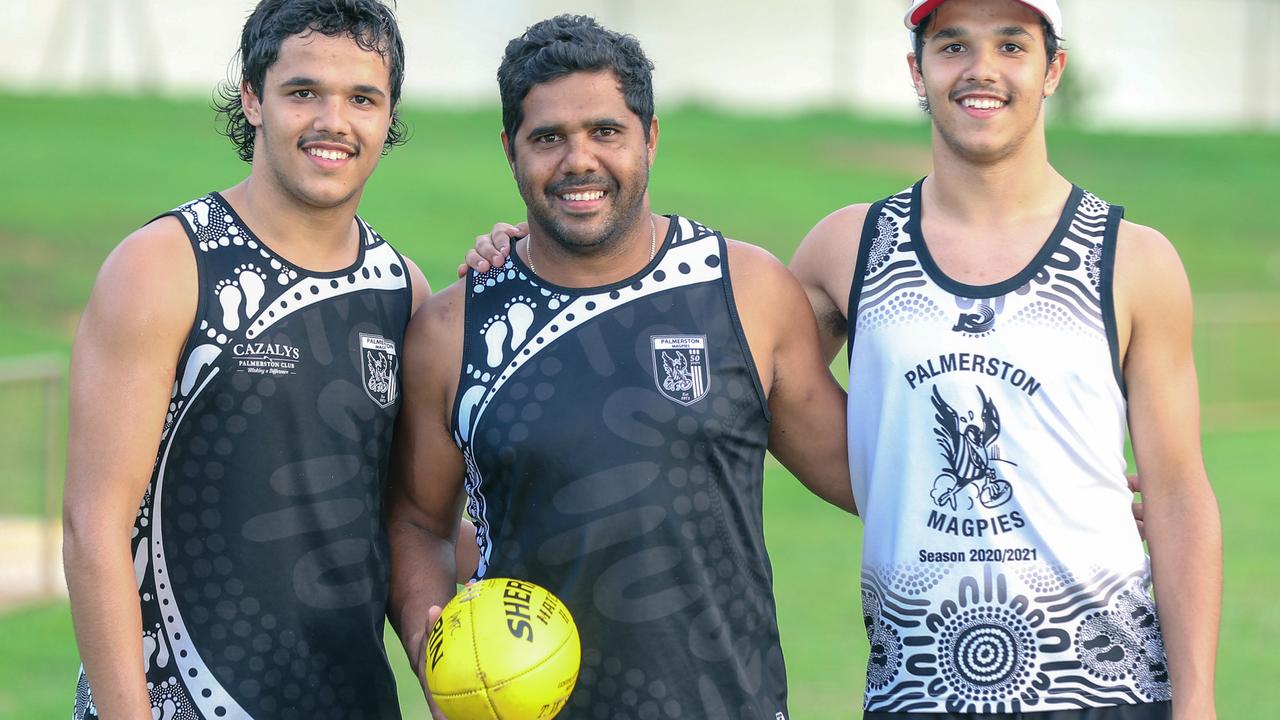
column 567, row 44
column 370, row 23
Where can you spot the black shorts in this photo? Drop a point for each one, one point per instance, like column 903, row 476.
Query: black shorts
column 1146, row 711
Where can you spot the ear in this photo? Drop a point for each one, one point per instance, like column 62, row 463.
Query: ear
column 251, row 104
column 653, row 139
column 917, row 77
column 1054, row 75
column 508, row 150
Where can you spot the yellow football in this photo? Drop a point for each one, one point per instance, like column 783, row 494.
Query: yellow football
column 502, row 649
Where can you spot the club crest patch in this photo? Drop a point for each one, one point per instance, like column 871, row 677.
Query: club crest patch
column 680, row 367
column 379, row 365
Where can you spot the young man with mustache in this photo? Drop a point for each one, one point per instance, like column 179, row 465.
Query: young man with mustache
column 234, row 384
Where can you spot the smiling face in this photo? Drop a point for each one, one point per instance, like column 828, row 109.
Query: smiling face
column 581, row 160
column 983, row 71
column 321, row 120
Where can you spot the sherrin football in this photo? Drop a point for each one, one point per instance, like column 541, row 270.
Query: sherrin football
column 502, row 649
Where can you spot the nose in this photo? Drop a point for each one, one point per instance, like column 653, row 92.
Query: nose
column 579, row 156
column 981, row 70
column 331, row 117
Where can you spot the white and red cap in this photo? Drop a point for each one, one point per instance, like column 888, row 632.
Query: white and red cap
column 1048, row 9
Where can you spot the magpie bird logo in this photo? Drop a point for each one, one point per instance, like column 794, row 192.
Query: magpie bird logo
column 379, row 368
column 970, row 451
column 976, row 323
column 680, row 367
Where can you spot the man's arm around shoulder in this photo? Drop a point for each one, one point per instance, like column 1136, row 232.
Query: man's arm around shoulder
column 1153, row 310
column 807, row 434
column 122, row 369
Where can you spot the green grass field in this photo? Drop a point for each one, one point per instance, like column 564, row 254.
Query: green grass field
column 84, row 172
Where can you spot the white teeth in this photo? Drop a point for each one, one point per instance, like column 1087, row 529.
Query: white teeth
column 982, row 103
column 593, row 195
column 328, row 154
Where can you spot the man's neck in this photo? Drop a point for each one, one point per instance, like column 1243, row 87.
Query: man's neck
column 321, row 239
column 622, row 259
column 1006, row 190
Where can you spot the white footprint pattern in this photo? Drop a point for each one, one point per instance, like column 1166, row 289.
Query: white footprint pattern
column 153, row 646
column 229, row 297
column 199, row 213
column 241, row 296
column 507, row 330
column 253, row 284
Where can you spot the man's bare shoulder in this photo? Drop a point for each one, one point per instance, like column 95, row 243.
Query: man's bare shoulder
column 762, row 285
column 153, row 269
column 1140, row 240
column 445, row 309
column 755, row 265
column 435, row 331
column 828, row 253
column 1145, row 257
column 418, row 284
column 153, row 245
column 838, row 232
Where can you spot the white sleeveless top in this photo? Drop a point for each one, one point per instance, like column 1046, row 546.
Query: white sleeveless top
column 1002, row 569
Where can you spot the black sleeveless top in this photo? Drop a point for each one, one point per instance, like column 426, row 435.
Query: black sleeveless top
column 614, row 439
column 260, row 545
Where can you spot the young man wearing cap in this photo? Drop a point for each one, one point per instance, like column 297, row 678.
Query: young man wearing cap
column 1002, row 325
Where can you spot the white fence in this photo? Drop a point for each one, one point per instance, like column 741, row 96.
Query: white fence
column 1148, row 63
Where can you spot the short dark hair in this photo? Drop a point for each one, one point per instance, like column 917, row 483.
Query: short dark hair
column 370, row 23
column 567, row 44
column 1052, row 44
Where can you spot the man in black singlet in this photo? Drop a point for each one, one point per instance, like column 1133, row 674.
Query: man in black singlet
column 603, row 401
column 234, row 384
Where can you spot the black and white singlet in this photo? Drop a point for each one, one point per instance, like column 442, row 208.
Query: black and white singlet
column 614, row 439
column 1001, row 571
column 260, row 546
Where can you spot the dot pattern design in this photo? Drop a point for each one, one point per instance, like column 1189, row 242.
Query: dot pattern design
column 886, row 241
column 997, row 642
column 1046, row 579
column 261, row 522
column 884, row 661
column 988, row 654
column 915, row 578
column 905, row 308
column 1123, row 642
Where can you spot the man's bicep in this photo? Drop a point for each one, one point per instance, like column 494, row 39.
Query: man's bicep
column 808, row 407
column 427, row 466
column 426, row 477
column 1159, row 367
column 123, row 363
column 824, row 265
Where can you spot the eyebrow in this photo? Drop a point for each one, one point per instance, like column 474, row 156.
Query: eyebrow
column 598, row 122
column 368, row 90
column 1013, row 31
column 302, row 81
column 299, row 81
